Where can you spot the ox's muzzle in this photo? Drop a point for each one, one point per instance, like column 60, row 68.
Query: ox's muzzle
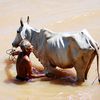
column 14, row 45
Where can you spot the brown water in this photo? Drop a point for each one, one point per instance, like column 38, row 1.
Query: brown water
column 55, row 15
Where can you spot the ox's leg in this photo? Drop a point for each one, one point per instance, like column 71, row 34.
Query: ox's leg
column 89, row 64
column 80, row 74
column 80, row 67
column 55, row 72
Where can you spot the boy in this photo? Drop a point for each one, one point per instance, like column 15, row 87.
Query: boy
column 24, row 65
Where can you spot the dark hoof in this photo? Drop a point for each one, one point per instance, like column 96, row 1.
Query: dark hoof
column 99, row 81
column 50, row 75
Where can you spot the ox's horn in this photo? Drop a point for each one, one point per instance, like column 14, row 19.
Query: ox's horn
column 28, row 19
column 21, row 22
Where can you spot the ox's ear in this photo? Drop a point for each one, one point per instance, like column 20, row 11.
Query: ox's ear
column 21, row 22
column 28, row 20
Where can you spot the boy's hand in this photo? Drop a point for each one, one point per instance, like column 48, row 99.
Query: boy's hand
column 12, row 53
column 15, row 53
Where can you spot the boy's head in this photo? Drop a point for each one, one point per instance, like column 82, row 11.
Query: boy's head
column 26, row 45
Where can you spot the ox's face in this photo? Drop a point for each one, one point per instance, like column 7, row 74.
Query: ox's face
column 22, row 32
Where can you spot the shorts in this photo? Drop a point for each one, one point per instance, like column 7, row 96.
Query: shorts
column 22, row 78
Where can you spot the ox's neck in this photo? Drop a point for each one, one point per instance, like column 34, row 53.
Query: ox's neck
column 38, row 41
column 34, row 39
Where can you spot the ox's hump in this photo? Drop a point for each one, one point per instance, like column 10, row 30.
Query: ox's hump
column 47, row 34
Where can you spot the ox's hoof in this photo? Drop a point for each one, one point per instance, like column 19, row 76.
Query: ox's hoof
column 51, row 75
column 79, row 82
column 99, row 80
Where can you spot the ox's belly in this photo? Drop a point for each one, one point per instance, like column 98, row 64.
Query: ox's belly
column 59, row 57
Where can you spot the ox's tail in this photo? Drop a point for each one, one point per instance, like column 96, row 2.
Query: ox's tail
column 98, row 67
column 96, row 47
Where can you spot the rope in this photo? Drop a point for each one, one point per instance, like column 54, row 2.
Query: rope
column 11, row 57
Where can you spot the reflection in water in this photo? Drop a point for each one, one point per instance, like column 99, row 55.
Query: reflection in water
column 63, row 77
column 9, row 74
column 9, row 65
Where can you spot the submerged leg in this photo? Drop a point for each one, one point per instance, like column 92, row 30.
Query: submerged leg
column 89, row 64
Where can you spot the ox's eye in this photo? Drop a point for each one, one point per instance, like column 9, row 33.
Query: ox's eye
column 19, row 30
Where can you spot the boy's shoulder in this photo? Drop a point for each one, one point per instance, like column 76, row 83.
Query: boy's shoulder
column 26, row 58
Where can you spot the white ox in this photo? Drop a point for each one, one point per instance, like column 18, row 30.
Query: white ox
column 65, row 50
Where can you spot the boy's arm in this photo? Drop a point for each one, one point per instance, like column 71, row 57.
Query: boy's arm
column 15, row 53
column 29, row 66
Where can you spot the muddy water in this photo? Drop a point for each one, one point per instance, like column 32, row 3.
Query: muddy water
column 59, row 16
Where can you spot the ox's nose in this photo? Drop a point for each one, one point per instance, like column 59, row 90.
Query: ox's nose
column 18, row 31
column 13, row 44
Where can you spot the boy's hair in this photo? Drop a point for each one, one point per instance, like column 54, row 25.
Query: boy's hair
column 25, row 44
